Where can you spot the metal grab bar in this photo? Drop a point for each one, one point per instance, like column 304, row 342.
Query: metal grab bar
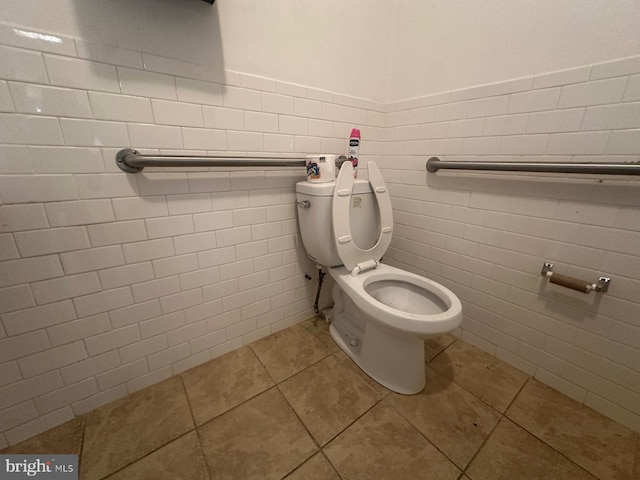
column 130, row 161
column 631, row 168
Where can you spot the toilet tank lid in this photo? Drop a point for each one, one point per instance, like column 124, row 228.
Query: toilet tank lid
column 326, row 189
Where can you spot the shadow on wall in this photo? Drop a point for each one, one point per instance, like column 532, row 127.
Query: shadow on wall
column 186, row 30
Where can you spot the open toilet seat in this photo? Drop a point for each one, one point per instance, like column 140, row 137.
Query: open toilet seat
column 381, row 313
column 361, row 268
column 353, row 257
column 438, row 311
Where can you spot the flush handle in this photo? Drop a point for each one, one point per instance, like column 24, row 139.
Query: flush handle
column 304, row 204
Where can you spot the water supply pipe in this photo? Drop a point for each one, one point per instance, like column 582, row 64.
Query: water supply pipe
column 321, row 275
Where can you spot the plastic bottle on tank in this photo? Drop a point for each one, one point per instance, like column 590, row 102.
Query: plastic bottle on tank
column 354, row 150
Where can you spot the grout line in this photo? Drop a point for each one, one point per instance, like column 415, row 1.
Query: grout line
column 149, row 453
column 164, row 444
column 322, row 452
column 503, row 417
column 202, row 452
column 234, row 407
column 296, row 468
column 318, row 446
column 441, row 351
column 515, row 422
column 354, row 421
column 513, row 400
column 426, row 438
column 184, row 390
column 493, row 407
column 635, row 468
column 324, row 347
column 473, row 457
column 593, row 474
column 84, row 433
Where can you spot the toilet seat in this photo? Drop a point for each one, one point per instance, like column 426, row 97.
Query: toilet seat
column 421, row 323
column 354, row 258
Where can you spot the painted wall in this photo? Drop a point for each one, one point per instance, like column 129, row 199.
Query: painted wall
column 487, row 236
column 332, row 45
column 524, row 81
column 442, row 46
column 110, row 282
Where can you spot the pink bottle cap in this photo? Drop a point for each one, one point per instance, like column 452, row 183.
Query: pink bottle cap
column 355, row 133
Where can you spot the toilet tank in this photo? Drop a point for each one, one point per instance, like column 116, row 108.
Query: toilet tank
column 316, row 225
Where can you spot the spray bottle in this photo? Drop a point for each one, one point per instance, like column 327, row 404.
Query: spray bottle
column 354, row 150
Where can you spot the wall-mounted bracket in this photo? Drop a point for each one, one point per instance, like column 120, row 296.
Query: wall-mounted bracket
column 122, row 164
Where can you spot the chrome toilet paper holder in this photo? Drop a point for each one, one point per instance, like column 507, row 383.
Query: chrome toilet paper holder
column 602, row 285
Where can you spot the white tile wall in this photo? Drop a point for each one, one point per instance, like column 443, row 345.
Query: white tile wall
column 491, row 252
column 110, row 282
column 59, row 102
column 74, row 73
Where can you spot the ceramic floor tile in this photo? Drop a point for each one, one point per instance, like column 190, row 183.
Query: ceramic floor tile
column 434, row 345
column 287, row 352
column 346, row 361
column 327, row 397
column 181, row 459
column 455, row 421
column 63, row 439
column 223, row 383
column 128, row 429
column 512, row 453
column 487, row 377
column 260, row 439
column 595, row 442
column 383, row 445
column 316, row 468
column 320, row 329
column 636, row 462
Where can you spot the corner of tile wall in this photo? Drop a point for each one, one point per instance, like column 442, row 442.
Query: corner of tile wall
column 177, row 267
column 110, row 282
column 485, row 236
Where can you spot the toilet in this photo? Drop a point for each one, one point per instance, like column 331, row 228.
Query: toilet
column 381, row 314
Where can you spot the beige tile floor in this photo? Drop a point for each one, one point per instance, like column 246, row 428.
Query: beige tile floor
column 293, row 406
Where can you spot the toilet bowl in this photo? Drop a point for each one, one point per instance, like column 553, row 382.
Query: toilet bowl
column 381, row 318
column 382, row 314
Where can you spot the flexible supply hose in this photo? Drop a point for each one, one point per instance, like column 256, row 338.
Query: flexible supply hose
column 321, row 275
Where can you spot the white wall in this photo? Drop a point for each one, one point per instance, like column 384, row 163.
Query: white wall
column 442, row 46
column 332, row 45
column 336, row 45
column 487, row 236
column 109, row 282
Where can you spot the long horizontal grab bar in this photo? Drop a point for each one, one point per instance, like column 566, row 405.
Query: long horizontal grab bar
column 631, row 168
column 131, row 161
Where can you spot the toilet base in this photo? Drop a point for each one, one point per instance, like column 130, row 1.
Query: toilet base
column 394, row 361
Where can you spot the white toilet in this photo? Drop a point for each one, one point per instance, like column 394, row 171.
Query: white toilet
column 381, row 314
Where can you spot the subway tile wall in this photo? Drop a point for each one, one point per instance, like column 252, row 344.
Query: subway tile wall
column 486, row 236
column 111, row 282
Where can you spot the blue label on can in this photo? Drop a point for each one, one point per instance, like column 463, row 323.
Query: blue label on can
column 313, row 170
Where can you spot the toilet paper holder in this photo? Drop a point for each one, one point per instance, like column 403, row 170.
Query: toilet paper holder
column 602, row 285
